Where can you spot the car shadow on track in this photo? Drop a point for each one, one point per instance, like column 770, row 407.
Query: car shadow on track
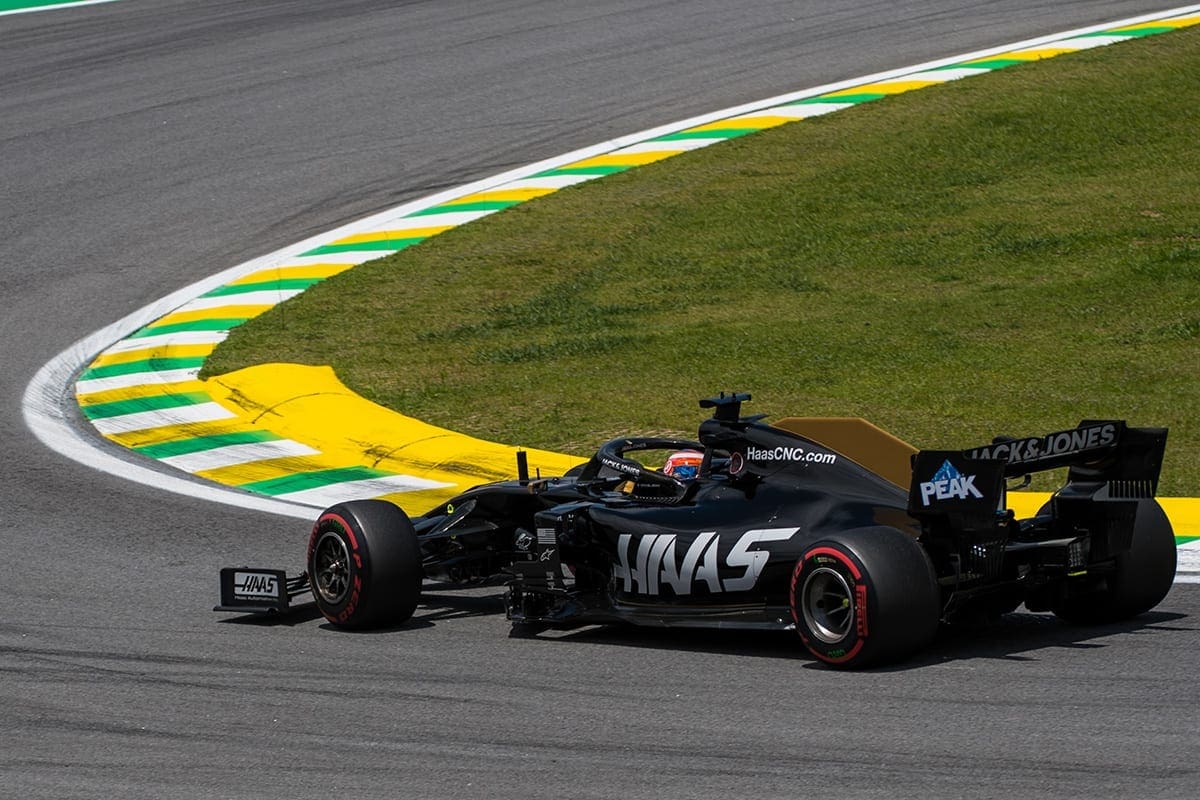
column 296, row 614
column 1019, row 636
column 1016, row 636
column 435, row 606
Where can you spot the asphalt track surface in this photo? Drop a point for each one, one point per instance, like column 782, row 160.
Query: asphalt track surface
column 144, row 145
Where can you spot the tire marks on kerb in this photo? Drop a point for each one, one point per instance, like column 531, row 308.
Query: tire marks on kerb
column 142, row 390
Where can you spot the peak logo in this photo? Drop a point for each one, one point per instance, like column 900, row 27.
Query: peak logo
column 949, row 484
column 652, row 561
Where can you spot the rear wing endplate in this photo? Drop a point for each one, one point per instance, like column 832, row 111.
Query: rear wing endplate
column 953, row 484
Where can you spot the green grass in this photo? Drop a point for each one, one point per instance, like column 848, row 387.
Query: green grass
column 1004, row 254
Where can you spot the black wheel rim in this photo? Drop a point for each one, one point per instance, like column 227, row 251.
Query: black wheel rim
column 331, row 567
column 827, row 603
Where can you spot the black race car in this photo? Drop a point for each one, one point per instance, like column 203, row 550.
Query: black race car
column 829, row 526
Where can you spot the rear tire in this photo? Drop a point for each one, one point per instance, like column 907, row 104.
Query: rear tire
column 1143, row 576
column 865, row 597
column 364, row 565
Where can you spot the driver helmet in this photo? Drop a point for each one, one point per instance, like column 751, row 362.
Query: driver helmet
column 683, row 465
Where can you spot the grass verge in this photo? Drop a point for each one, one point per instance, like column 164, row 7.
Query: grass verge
column 1004, row 254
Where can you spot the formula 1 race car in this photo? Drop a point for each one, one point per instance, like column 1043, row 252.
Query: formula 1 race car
column 828, row 526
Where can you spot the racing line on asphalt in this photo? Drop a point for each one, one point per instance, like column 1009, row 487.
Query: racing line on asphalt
column 266, row 431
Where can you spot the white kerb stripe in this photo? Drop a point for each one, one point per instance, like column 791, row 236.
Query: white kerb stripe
column 546, row 182
column 238, row 454
column 666, row 148
column 1188, row 563
column 819, row 109
column 1036, row 51
column 148, row 378
column 265, row 297
column 436, row 219
column 943, row 75
column 791, row 112
column 160, row 418
column 324, row 496
column 1087, row 42
column 353, row 258
column 445, row 219
column 168, row 340
column 697, row 143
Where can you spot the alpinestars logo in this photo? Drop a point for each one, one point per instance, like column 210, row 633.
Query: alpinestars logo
column 653, row 562
column 949, row 484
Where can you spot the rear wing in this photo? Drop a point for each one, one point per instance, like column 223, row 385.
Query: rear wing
column 1105, row 458
column 1095, row 451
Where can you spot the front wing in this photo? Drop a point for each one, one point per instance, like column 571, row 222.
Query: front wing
column 259, row 591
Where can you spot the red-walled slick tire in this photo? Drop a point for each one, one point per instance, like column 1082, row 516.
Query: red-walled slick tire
column 364, row 564
column 865, row 597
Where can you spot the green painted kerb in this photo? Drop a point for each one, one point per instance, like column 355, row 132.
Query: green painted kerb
column 455, row 205
column 391, row 245
column 136, row 367
column 159, row 402
column 313, row 480
column 608, row 170
column 199, row 444
column 283, row 284
column 200, row 325
column 17, row 5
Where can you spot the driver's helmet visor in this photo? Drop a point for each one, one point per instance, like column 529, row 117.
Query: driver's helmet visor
column 684, row 465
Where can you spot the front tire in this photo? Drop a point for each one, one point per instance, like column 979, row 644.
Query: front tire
column 364, row 565
column 1143, row 575
column 865, row 597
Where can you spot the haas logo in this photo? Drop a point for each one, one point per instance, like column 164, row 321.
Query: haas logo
column 653, row 561
column 255, row 585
